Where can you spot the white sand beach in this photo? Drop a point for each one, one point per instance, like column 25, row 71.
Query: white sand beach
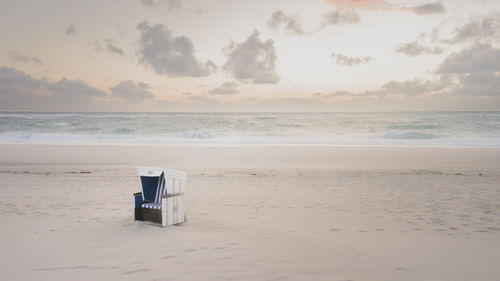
column 254, row 213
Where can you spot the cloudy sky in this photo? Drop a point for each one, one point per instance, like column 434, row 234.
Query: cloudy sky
column 261, row 55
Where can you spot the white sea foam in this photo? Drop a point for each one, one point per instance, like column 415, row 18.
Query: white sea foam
column 439, row 128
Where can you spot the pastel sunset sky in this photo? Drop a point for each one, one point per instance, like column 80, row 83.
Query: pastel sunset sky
column 261, row 55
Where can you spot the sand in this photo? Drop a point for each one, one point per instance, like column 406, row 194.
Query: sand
column 254, row 213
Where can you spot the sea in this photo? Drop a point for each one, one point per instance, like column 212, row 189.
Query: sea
column 337, row 129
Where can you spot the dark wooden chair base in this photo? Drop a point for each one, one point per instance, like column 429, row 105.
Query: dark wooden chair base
column 145, row 214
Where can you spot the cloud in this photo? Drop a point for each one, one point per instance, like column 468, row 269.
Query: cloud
column 17, row 57
column 433, row 35
column 109, row 46
column 478, row 84
column 485, row 29
column 415, row 87
column 148, row 3
column 479, row 29
column 477, row 69
column 186, row 93
column 349, row 61
column 340, row 16
column 474, row 71
column 17, row 83
column 346, row 95
column 169, row 55
column 131, row 92
column 477, row 58
column 424, row 9
column 291, row 24
column 172, row 5
column 19, row 91
column 415, row 49
column 71, row 30
column 410, row 88
column 227, row 88
column 203, row 99
column 466, row 74
column 252, row 61
column 113, row 49
column 364, row 4
column 73, row 90
column 427, row 9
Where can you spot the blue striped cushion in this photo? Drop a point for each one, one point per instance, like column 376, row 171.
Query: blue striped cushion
column 156, row 206
column 161, row 189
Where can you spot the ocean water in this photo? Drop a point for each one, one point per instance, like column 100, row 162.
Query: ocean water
column 395, row 128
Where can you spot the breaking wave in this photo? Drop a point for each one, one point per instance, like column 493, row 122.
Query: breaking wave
column 406, row 128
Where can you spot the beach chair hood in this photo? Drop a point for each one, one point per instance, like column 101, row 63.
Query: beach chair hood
column 151, row 178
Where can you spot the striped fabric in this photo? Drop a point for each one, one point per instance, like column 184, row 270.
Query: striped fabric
column 162, row 188
column 160, row 191
column 156, row 206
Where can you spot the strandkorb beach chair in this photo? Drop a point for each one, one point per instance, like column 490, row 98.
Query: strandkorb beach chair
column 162, row 197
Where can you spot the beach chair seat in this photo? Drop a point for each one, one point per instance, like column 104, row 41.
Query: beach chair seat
column 162, row 198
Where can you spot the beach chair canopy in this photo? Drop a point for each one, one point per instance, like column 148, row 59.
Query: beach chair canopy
column 157, row 182
column 150, row 179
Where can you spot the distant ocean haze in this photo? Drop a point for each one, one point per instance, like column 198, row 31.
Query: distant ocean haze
column 394, row 128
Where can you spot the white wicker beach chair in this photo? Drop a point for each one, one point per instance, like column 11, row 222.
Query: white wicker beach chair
column 162, row 197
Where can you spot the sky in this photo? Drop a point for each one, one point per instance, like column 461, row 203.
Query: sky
column 260, row 55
